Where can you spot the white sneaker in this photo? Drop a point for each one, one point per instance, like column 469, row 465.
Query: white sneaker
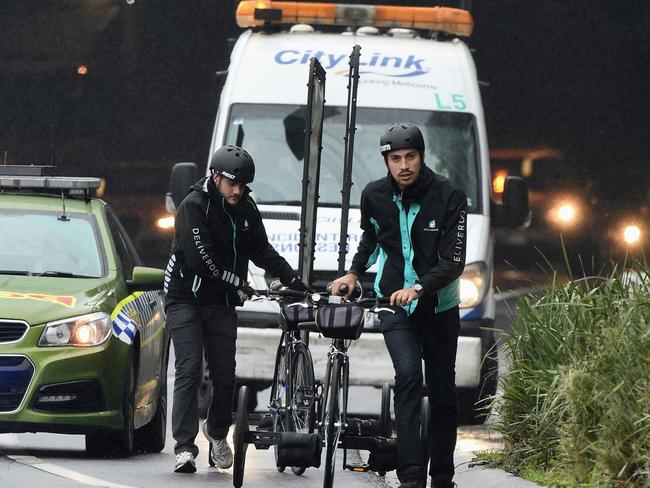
column 185, row 463
column 221, row 453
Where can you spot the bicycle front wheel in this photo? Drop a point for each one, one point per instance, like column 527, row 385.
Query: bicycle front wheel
column 332, row 422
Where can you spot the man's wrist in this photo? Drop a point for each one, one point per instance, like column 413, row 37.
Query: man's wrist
column 419, row 289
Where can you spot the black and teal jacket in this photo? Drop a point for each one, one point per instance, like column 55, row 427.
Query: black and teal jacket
column 213, row 242
column 415, row 236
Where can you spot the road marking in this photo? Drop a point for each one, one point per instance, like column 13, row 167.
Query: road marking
column 36, row 463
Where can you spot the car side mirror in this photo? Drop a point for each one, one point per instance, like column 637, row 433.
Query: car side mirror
column 182, row 177
column 146, row 279
column 513, row 212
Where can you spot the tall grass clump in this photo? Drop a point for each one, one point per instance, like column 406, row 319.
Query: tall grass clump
column 576, row 400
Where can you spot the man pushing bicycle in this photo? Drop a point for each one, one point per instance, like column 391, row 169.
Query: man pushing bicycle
column 414, row 227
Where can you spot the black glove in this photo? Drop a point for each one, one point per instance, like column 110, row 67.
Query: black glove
column 245, row 292
column 297, row 285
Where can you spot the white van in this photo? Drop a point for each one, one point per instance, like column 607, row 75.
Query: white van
column 407, row 74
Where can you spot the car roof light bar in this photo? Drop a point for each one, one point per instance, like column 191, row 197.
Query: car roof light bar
column 252, row 13
column 48, row 182
column 24, row 169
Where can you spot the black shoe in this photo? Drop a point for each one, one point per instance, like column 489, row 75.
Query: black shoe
column 443, row 484
column 412, row 484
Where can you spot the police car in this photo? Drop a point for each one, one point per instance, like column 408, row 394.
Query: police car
column 83, row 342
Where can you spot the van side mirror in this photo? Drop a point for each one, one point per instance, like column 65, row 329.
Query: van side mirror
column 182, row 177
column 513, row 212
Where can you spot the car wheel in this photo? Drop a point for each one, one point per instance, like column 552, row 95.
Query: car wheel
column 152, row 437
column 111, row 443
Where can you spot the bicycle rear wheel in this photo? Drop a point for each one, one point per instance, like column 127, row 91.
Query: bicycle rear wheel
column 304, row 388
column 332, row 422
column 278, row 400
column 302, row 409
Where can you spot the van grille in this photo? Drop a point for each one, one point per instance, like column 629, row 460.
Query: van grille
column 273, row 215
column 12, row 330
column 15, row 375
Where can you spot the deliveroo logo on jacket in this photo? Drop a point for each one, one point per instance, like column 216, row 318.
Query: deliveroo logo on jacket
column 431, row 227
column 378, row 63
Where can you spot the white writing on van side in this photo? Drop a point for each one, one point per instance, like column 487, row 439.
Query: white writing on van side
column 329, row 61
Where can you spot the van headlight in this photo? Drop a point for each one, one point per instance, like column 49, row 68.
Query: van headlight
column 473, row 284
column 86, row 330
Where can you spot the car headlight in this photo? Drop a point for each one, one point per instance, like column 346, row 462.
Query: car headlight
column 473, row 284
column 565, row 213
column 86, row 330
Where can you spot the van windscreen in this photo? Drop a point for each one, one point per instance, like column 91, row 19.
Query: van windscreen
column 274, row 136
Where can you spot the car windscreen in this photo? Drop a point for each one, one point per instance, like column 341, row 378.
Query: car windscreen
column 43, row 243
column 274, row 135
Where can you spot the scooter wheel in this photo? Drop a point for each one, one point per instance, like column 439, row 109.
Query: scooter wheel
column 425, row 416
column 385, row 423
column 239, row 438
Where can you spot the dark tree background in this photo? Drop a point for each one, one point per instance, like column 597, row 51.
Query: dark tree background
column 569, row 74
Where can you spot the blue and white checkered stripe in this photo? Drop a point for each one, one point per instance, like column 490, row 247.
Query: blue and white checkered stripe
column 124, row 327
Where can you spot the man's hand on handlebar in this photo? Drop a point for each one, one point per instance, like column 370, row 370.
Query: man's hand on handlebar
column 298, row 285
column 404, row 297
column 349, row 280
column 246, row 292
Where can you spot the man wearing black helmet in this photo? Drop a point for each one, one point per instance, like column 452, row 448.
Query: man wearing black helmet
column 414, row 227
column 218, row 230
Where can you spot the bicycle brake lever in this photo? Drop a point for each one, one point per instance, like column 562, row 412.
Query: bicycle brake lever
column 382, row 309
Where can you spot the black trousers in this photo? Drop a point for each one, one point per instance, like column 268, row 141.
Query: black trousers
column 434, row 339
column 195, row 328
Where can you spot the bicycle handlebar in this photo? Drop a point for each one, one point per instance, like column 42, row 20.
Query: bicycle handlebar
column 284, row 293
column 321, row 299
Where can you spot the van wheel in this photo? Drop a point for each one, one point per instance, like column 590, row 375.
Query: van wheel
column 474, row 403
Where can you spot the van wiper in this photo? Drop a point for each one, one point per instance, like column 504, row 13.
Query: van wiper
column 280, row 202
column 14, row 272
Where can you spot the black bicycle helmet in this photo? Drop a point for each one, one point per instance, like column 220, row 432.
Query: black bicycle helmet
column 401, row 136
column 234, row 163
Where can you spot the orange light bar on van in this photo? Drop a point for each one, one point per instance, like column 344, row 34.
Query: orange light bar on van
column 252, row 13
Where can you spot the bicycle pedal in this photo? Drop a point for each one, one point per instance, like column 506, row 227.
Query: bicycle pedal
column 357, row 468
